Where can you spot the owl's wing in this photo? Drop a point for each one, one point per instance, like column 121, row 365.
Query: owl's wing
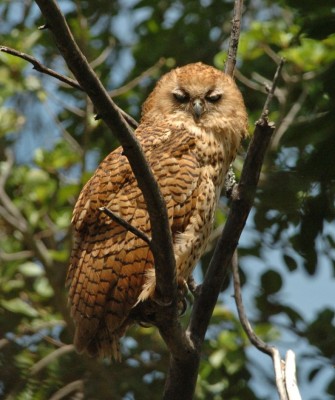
column 108, row 263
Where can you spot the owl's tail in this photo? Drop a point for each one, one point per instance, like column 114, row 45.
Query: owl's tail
column 103, row 345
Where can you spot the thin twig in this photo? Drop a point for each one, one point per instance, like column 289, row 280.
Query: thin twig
column 75, row 386
column 20, row 255
column 44, row 362
column 134, row 82
column 280, row 94
column 103, row 55
column 254, row 339
column 272, row 89
column 288, row 119
column 126, row 225
column 234, row 38
column 38, row 66
column 248, row 82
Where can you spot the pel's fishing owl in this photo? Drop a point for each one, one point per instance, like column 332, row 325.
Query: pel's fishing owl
column 191, row 127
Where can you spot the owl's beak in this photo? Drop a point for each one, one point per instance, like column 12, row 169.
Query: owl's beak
column 198, row 108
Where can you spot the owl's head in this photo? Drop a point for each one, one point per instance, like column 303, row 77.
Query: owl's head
column 197, row 94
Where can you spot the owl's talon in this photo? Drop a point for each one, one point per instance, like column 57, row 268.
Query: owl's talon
column 145, row 324
column 183, row 308
column 161, row 302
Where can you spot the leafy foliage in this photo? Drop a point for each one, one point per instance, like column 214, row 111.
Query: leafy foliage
column 50, row 143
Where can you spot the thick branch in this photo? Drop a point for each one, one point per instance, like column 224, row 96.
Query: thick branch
column 242, row 200
column 161, row 237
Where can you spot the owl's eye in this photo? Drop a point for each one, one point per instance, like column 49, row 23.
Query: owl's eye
column 181, row 96
column 213, row 98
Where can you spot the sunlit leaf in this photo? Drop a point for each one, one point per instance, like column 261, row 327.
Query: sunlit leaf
column 19, row 306
column 31, row 269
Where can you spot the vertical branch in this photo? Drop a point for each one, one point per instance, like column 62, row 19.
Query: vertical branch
column 234, row 38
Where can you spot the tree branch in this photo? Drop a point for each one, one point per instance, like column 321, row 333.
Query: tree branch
column 75, row 386
column 134, row 82
column 288, row 119
column 234, row 38
column 45, row 361
column 254, row 339
column 161, row 238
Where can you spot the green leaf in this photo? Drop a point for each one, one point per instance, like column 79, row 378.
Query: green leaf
column 271, row 281
column 290, row 262
column 18, row 306
column 43, row 288
column 31, row 269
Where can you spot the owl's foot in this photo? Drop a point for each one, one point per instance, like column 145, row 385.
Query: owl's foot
column 193, row 287
column 182, row 290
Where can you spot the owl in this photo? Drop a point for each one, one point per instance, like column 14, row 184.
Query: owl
column 191, row 127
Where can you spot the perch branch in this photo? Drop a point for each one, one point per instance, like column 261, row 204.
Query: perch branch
column 166, row 285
